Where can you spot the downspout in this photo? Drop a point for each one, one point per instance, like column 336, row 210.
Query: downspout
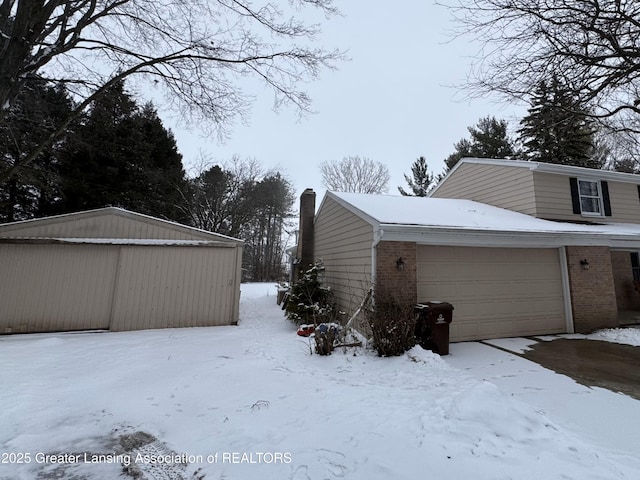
column 566, row 289
column 378, row 233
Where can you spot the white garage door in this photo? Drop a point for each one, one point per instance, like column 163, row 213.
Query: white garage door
column 496, row 292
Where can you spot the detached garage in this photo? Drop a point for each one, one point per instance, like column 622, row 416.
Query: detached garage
column 117, row 270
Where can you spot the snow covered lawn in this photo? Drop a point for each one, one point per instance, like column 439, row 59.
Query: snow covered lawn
column 250, row 402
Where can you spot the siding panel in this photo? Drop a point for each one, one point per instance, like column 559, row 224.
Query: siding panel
column 105, row 223
column 553, row 199
column 175, row 287
column 343, row 241
column 46, row 288
column 498, row 185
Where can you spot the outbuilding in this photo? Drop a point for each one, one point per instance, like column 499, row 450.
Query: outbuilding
column 116, row 270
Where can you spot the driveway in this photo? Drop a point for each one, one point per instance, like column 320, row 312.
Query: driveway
column 603, row 415
column 613, row 366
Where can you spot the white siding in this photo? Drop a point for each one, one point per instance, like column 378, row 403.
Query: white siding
column 498, row 185
column 343, row 241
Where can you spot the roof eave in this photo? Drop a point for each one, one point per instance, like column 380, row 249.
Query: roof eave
column 464, row 237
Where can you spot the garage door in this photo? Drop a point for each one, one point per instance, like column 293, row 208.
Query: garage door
column 496, row 292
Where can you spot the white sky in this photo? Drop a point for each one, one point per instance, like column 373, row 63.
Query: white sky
column 392, row 102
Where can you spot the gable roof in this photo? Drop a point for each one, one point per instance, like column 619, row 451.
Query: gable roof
column 460, row 222
column 110, row 225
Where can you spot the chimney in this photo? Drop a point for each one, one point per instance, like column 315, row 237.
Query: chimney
column 305, row 235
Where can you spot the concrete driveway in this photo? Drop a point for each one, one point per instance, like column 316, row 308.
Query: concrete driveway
column 613, row 366
column 607, row 417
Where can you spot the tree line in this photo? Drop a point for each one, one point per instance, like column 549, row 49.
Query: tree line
column 557, row 128
column 118, row 153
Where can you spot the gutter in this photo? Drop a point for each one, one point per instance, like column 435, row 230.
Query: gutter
column 468, row 237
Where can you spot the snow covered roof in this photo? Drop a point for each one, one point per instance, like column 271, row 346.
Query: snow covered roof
column 410, row 218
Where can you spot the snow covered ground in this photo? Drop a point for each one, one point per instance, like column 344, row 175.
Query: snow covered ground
column 251, row 402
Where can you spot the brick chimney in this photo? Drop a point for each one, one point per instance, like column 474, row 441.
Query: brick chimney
column 305, row 235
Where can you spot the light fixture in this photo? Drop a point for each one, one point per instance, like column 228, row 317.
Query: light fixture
column 584, row 263
column 400, row 264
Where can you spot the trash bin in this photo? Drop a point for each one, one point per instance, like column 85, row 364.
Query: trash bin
column 432, row 325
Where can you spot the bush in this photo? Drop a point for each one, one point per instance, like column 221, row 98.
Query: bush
column 392, row 326
column 325, row 337
column 309, row 301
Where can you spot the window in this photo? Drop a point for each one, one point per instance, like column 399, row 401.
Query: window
column 590, row 197
column 635, row 266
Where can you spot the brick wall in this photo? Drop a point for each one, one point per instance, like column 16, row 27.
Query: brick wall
column 593, row 295
column 400, row 284
column 626, row 295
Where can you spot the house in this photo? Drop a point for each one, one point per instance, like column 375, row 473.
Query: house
column 507, row 273
column 566, row 194
column 553, row 192
column 114, row 269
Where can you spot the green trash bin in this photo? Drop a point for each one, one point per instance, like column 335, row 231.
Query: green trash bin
column 432, row 325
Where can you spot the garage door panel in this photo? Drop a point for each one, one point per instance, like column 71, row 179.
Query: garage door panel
column 496, row 292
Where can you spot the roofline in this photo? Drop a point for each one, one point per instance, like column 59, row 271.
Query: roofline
column 543, row 167
column 356, row 211
column 465, row 237
column 146, row 242
column 118, row 211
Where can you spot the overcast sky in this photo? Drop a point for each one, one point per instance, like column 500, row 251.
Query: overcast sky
column 392, row 102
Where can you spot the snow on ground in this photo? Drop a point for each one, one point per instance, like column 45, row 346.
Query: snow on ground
column 251, row 402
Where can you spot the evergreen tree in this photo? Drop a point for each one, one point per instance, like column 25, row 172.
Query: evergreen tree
column 557, row 128
column 420, row 181
column 239, row 200
column 489, row 139
column 33, row 189
column 122, row 156
column 264, row 248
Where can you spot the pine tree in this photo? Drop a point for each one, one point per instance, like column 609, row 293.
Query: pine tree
column 489, row 139
column 123, row 156
column 33, row 189
column 421, row 179
column 557, row 128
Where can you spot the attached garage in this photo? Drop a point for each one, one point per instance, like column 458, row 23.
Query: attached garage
column 506, row 273
column 118, row 270
column 497, row 292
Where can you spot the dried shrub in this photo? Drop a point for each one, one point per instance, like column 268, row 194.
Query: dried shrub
column 392, row 326
column 325, row 337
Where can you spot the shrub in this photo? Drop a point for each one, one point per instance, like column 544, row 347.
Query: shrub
column 309, row 301
column 392, row 326
column 325, row 337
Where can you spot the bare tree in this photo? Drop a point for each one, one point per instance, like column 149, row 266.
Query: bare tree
column 196, row 51
column 355, row 174
column 593, row 46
